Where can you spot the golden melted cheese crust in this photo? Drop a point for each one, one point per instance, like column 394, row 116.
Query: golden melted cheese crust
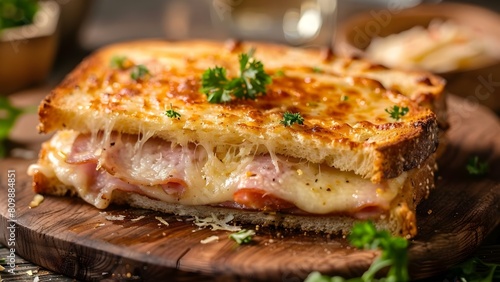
column 351, row 134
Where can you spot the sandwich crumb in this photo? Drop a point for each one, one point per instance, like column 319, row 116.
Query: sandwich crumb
column 37, row 200
column 137, row 218
column 210, row 239
column 216, row 223
column 115, row 217
column 160, row 219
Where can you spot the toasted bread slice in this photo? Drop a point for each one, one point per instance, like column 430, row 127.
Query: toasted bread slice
column 343, row 103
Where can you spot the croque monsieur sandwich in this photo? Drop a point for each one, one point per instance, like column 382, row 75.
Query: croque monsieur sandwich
column 271, row 134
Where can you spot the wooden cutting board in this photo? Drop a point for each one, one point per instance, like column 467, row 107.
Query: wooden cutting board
column 71, row 237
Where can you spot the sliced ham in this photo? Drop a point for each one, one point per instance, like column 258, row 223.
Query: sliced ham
column 256, row 188
column 156, row 162
column 82, row 150
column 158, row 169
column 100, row 184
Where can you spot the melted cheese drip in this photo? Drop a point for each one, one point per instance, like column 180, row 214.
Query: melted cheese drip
column 213, row 180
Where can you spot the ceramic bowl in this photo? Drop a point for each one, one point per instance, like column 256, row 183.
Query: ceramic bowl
column 479, row 83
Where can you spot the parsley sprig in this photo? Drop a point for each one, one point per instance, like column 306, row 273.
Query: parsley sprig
column 394, row 255
column 9, row 114
column 397, row 112
column 475, row 269
column 290, row 118
column 251, row 82
column 171, row 113
column 139, row 72
column 477, row 167
column 243, row 236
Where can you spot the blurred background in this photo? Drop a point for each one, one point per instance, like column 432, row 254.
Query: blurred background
column 82, row 26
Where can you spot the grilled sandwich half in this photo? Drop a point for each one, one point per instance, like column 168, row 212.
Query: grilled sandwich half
column 349, row 159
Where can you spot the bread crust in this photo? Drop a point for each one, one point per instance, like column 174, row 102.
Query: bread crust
column 343, row 134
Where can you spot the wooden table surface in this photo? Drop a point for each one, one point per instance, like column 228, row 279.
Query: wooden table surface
column 93, row 36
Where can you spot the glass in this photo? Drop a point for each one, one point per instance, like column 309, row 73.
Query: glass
column 295, row 22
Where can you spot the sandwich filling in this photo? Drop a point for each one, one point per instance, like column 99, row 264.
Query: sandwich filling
column 203, row 174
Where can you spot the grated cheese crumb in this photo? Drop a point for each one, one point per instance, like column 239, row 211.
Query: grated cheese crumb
column 29, row 272
column 160, row 219
column 37, row 200
column 36, row 279
column 114, row 217
column 138, row 218
column 217, row 224
column 210, row 239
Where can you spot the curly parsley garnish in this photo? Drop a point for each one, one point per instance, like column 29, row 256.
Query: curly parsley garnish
column 291, row 118
column 214, row 83
column 396, row 112
column 171, row 113
column 477, row 167
column 251, row 82
column 242, row 236
column 394, row 255
column 139, row 72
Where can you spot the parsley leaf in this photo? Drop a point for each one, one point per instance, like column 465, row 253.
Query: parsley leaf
column 171, row 113
column 317, row 70
column 242, row 236
column 9, row 115
column 118, row 62
column 139, row 72
column 251, row 82
column 475, row 269
column 396, row 112
column 394, row 251
column 394, row 255
column 279, row 73
column 344, row 98
column 213, row 83
column 291, row 118
column 17, row 12
column 477, row 167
